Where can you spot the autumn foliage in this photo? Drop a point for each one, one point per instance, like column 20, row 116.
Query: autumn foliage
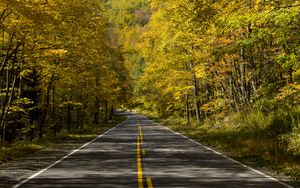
column 59, row 67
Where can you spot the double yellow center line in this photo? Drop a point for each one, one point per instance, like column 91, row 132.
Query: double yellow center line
column 139, row 163
column 139, row 153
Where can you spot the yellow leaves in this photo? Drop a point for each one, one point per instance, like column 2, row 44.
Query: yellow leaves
column 225, row 41
column 231, row 57
column 131, row 37
column 214, row 106
column 26, row 73
column 55, row 52
column 221, row 67
column 201, row 71
column 72, row 103
column 290, row 94
column 171, row 43
column 157, row 4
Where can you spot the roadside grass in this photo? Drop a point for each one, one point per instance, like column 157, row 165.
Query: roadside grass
column 270, row 141
column 18, row 150
column 26, row 148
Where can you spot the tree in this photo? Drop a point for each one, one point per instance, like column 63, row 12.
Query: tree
column 59, row 67
column 231, row 55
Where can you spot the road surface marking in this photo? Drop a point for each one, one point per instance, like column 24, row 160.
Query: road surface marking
column 149, row 182
column 235, row 161
column 63, row 158
column 139, row 164
column 140, row 132
column 141, row 152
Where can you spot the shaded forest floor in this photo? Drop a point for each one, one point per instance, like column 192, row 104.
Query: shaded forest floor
column 251, row 147
column 24, row 159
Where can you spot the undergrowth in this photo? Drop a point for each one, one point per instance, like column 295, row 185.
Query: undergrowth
column 26, row 147
column 269, row 140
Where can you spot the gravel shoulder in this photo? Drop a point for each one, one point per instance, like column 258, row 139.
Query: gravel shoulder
column 15, row 171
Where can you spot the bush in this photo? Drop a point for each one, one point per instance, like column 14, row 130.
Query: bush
column 257, row 121
column 293, row 143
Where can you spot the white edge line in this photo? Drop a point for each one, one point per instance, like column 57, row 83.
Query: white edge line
column 63, row 158
column 235, row 161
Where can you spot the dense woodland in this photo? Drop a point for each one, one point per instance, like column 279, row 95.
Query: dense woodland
column 59, row 67
column 67, row 64
column 213, row 57
column 216, row 62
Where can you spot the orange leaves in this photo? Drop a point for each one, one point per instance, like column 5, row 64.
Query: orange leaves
column 225, row 41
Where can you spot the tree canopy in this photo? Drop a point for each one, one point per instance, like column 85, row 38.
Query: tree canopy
column 70, row 63
column 220, row 56
column 59, row 67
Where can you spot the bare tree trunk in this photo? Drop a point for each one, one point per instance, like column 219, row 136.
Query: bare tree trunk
column 232, row 98
column 196, row 91
column 111, row 112
column 53, row 112
column 8, row 98
column 187, row 109
column 79, row 118
column 84, row 104
column 69, row 117
column 9, row 54
column 291, row 74
column 5, row 101
column 96, row 113
column 45, row 111
column 8, row 108
column 97, row 100
column 106, row 111
column 3, row 39
column 196, row 98
column 242, row 83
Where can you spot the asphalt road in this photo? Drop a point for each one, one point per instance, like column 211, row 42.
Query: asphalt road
column 141, row 154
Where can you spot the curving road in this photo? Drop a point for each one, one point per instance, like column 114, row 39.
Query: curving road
column 141, row 154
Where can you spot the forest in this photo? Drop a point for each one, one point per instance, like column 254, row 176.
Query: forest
column 59, row 67
column 226, row 72
column 224, row 56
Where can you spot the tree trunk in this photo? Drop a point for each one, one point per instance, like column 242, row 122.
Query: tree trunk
column 84, row 106
column 79, row 118
column 69, row 117
column 187, row 109
column 106, row 111
column 53, row 112
column 291, row 74
column 8, row 95
column 196, row 92
column 196, row 98
column 46, row 107
column 8, row 108
column 97, row 100
column 111, row 113
column 96, row 110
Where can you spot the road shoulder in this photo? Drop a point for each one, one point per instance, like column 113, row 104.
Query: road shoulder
column 13, row 172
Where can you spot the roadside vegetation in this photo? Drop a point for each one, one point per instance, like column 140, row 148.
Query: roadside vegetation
column 248, row 137
column 77, row 137
column 60, row 73
column 226, row 73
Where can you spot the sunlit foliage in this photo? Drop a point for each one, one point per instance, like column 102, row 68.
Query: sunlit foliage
column 59, row 68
